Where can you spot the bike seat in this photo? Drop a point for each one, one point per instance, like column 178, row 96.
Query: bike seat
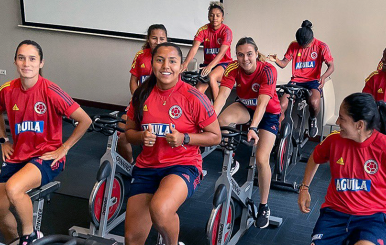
column 43, row 191
column 233, row 138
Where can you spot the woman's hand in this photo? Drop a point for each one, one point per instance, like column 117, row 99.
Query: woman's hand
column 272, row 57
column 304, row 200
column 206, row 70
column 252, row 135
column 148, row 137
column 175, row 138
column 55, row 155
column 6, row 150
column 184, row 67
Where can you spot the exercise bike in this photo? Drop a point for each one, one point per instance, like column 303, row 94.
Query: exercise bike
column 108, row 194
column 232, row 204
column 290, row 139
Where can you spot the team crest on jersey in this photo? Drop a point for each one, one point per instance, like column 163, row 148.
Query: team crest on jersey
column 15, row 108
column 371, row 166
column 255, row 87
column 314, row 55
column 380, row 91
column 175, row 112
column 219, row 41
column 40, row 108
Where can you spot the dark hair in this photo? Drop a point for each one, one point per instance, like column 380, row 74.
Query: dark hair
column 249, row 40
column 216, row 5
column 152, row 28
column 382, row 114
column 304, row 35
column 36, row 45
column 362, row 106
column 143, row 91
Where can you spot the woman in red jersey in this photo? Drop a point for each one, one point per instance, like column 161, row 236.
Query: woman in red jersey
column 35, row 107
column 171, row 119
column 355, row 204
column 257, row 101
column 217, row 39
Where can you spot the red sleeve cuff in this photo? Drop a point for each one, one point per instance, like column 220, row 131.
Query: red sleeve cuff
column 71, row 109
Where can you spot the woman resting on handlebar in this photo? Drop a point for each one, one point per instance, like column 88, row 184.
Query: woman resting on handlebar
column 35, row 107
column 171, row 119
column 257, row 100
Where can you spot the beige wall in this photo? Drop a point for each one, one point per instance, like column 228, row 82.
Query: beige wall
column 97, row 68
column 354, row 30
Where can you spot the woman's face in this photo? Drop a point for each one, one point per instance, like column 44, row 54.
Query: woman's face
column 28, row 61
column 246, row 56
column 216, row 18
column 384, row 61
column 166, row 66
column 348, row 128
column 156, row 37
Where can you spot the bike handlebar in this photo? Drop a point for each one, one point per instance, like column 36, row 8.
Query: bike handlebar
column 232, row 142
column 193, row 77
column 61, row 239
column 107, row 124
column 296, row 90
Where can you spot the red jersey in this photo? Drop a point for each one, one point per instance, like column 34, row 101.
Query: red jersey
column 213, row 40
column 141, row 67
column 35, row 117
column 188, row 110
column 307, row 62
column 376, row 85
column 358, row 173
column 249, row 87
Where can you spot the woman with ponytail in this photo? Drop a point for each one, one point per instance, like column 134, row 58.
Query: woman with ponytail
column 171, row 119
column 308, row 55
column 257, row 101
column 355, row 205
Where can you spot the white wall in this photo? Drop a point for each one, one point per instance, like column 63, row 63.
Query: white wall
column 97, row 68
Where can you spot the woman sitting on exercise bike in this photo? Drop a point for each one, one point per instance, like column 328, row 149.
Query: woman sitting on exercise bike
column 171, row 119
column 257, row 101
column 355, row 203
column 35, row 107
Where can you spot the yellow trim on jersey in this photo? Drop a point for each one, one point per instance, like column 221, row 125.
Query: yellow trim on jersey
column 7, row 84
column 230, row 68
column 202, row 28
column 371, row 75
column 135, row 58
column 380, row 65
column 332, row 133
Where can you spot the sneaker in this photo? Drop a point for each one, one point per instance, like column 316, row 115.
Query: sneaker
column 28, row 239
column 263, row 214
column 313, row 127
column 234, row 166
column 181, row 243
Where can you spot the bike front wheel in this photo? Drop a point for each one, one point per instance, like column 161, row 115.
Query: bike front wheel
column 283, row 157
column 216, row 227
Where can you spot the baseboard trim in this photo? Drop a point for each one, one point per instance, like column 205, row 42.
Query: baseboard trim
column 100, row 105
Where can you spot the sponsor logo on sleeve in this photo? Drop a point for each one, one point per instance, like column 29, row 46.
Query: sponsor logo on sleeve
column 352, row 185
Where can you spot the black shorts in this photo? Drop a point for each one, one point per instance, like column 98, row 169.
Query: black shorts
column 48, row 173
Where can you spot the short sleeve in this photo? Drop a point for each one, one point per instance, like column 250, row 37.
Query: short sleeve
column 3, row 90
column 63, row 103
column 268, row 85
column 227, row 37
column 327, row 57
column 369, row 86
column 321, row 152
column 229, row 78
column 200, row 35
column 202, row 110
column 290, row 51
column 134, row 67
column 130, row 111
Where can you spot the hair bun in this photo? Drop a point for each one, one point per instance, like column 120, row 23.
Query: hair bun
column 307, row 23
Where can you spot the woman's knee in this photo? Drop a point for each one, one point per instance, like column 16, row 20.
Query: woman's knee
column 262, row 161
column 160, row 212
column 13, row 191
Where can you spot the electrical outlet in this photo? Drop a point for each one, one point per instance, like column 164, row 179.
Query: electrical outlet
column 3, row 72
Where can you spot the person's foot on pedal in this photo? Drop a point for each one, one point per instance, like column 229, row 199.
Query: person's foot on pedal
column 234, row 166
column 263, row 214
column 313, row 127
column 28, row 239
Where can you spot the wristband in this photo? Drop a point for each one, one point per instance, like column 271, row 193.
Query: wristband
column 303, row 185
column 254, row 129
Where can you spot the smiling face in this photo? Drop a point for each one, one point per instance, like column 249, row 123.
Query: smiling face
column 28, row 62
column 216, row 18
column 166, row 66
column 348, row 128
column 246, row 56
